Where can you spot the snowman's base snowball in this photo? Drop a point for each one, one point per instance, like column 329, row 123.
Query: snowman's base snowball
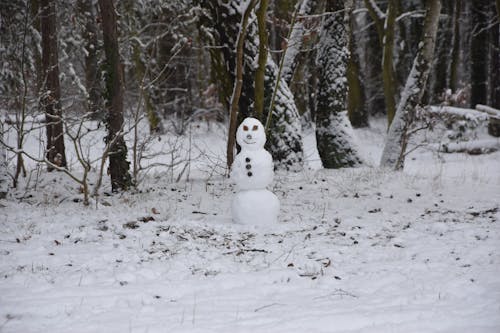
column 255, row 207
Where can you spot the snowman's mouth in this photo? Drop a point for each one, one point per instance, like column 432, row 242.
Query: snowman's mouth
column 249, row 142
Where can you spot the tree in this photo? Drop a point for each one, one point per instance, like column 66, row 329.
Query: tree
column 385, row 25
column 356, row 104
column 262, row 59
column 86, row 15
column 51, row 90
column 333, row 131
column 393, row 155
column 118, row 164
column 4, row 175
column 284, row 134
column 479, row 54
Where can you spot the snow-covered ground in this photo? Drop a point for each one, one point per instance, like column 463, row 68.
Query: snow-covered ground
column 356, row 250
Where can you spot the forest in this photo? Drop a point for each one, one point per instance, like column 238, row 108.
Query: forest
column 118, row 139
column 291, row 64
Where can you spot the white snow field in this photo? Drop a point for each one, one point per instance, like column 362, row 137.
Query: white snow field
column 355, row 250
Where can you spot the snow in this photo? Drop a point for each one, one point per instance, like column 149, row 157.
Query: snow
column 355, row 250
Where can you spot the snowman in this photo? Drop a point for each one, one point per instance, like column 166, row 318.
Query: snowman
column 252, row 171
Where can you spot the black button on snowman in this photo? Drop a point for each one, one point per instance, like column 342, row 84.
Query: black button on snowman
column 252, row 171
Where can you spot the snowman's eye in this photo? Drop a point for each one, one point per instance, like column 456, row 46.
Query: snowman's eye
column 245, row 128
column 254, row 128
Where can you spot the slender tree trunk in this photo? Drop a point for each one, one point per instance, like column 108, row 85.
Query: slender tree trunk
column 51, row 91
column 479, row 56
column 356, row 110
column 118, row 164
column 439, row 74
column 455, row 51
column 35, row 19
column 89, row 34
column 393, row 155
column 385, row 25
column 4, row 175
column 494, row 67
column 262, row 59
column 387, row 61
column 333, row 136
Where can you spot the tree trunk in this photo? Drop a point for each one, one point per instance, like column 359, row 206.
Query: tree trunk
column 455, row 51
column 4, row 175
column 333, row 133
column 284, row 138
column 479, row 56
column 371, row 71
column 388, row 63
column 494, row 67
column 118, row 164
column 394, row 152
column 51, row 91
column 89, row 34
column 439, row 74
column 262, row 59
column 356, row 110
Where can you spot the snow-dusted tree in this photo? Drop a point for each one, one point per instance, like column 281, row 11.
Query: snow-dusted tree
column 51, row 90
column 284, row 136
column 333, row 130
column 118, row 164
column 296, row 39
column 393, row 155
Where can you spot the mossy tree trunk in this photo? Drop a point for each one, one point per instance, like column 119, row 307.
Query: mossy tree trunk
column 118, row 164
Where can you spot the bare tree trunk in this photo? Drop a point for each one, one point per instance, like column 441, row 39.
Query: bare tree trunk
column 494, row 67
column 356, row 109
column 479, row 56
column 394, row 152
column 118, row 164
column 386, row 25
column 262, row 59
column 89, row 34
column 51, row 91
column 455, row 51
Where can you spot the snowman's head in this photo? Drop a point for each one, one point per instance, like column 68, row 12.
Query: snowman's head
column 251, row 134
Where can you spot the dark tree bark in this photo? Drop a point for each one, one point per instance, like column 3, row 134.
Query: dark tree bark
column 371, row 74
column 51, row 91
column 262, row 59
column 439, row 73
column 494, row 82
column 118, row 164
column 356, row 109
column 89, row 33
column 455, row 51
column 479, row 54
